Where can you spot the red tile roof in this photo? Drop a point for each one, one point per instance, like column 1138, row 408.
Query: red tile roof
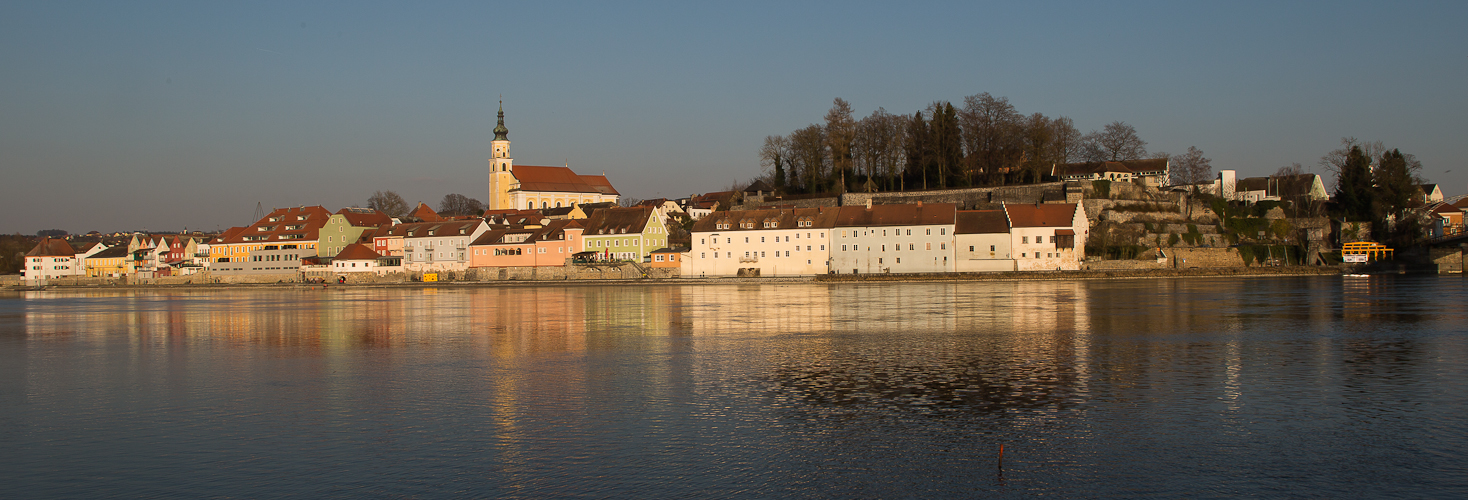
column 425, row 214
column 274, row 227
column 52, row 247
column 898, row 215
column 1043, row 215
column 562, row 180
column 780, row 218
column 357, row 251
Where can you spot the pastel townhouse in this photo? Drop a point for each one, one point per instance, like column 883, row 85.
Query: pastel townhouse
column 51, row 258
column 346, row 227
column 440, row 246
column 982, row 242
column 548, row 246
column 905, row 238
column 1446, row 220
column 109, row 263
column 1047, row 237
column 630, row 233
column 765, row 242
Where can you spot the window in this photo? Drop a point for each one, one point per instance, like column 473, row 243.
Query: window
column 929, row 231
column 909, row 232
column 991, row 248
column 942, row 231
column 1024, row 239
column 928, row 246
column 823, row 247
column 843, row 248
column 970, row 248
column 761, row 239
column 942, row 246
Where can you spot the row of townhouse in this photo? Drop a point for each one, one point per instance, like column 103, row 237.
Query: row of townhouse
column 916, row 238
column 144, row 256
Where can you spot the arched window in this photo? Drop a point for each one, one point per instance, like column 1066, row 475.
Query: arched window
column 530, row 205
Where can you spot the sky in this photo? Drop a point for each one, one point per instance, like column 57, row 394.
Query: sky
column 165, row 116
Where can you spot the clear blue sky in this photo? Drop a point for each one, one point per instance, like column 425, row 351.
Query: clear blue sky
column 160, row 116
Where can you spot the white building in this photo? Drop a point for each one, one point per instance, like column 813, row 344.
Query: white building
column 982, row 242
column 438, row 246
column 770, row 242
column 894, row 239
column 51, row 258
column 1047, row 237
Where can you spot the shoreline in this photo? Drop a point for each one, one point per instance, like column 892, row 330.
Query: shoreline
column 1242, row 272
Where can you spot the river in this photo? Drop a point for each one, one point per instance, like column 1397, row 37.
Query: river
column 1321, row 386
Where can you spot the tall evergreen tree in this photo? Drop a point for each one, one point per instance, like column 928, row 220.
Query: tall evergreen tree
column 1353, row 193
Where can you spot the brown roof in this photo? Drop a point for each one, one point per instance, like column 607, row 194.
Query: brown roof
column 618, row 220
column 1444, row 208
column 898, row 215
column 364, row 217
column 52, row 247
column 981, row 222
column 560, row 179
column 357, row 251
column 421, row 229
column 788, row 218
column 1044, row 215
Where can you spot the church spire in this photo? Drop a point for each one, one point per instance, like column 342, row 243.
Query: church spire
column 500, row 131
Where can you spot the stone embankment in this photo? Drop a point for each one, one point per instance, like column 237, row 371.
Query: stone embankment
column 1092, row 274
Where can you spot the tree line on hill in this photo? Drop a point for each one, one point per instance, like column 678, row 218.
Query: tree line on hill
column 983, row 142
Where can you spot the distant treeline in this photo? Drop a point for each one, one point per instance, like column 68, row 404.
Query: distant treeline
column 985, row 142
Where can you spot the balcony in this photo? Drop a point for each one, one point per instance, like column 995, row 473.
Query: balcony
column 748, row 259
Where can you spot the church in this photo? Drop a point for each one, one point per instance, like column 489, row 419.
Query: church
column 515, row 187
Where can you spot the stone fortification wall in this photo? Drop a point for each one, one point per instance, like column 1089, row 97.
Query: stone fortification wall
column 1121, row 265
column 967, row 198
column 753, row 202
column 1204, row 257
column 10, row 280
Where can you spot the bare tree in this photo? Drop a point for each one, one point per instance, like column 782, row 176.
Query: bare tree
column 1291, row 169
column 1335, row 160
column 808, row 157
column 840, row 133
column 1191, row 167
column 1116, row 142
column 1065, row 141
column 388, row 202
column 991, row 134
column 774, row 156
column 458, row 204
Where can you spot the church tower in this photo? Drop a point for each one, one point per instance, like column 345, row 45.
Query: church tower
column 501, row 167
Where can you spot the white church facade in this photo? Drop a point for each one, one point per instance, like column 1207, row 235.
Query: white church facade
column 518, row 187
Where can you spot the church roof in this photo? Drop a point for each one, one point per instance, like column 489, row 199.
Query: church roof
column 425, row 214
column 561, row 180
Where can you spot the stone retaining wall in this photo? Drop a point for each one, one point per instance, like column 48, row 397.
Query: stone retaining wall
column 967, row 198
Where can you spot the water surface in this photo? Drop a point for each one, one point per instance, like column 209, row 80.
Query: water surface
column 1309, row 386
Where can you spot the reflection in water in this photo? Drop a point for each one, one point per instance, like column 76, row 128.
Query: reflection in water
column 1226, row 387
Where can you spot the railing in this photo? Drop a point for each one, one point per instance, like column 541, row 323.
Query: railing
column 749, row 259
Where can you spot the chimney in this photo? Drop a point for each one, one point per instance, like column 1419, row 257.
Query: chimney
column 869, row 203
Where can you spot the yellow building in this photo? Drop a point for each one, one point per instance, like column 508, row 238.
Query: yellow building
column 299, row 226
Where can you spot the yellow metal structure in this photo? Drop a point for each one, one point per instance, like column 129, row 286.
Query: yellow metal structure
column 1371, row 249
column 427, row 277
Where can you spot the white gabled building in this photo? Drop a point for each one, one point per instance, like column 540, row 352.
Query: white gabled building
column 982, row 242
column 1047, row 237
column 51, row 258
column 894, row 239
column 766, row 242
